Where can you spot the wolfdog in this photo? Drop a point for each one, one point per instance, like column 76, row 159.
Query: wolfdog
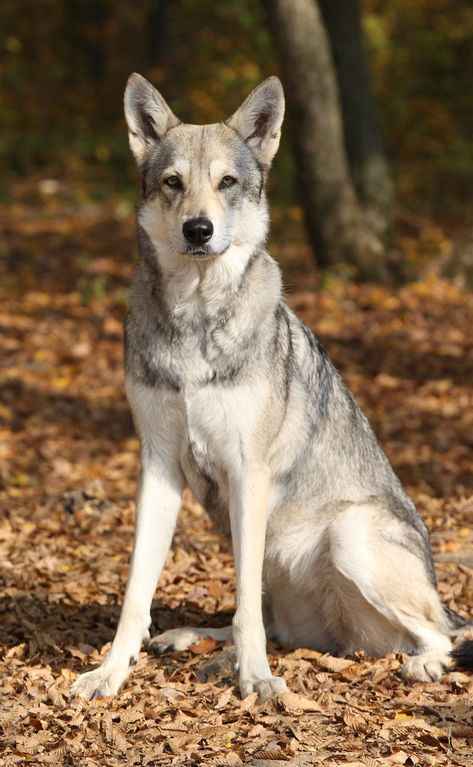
column 233, row 395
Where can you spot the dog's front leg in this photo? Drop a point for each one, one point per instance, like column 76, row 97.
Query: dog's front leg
column 159, row 499
column 248, row 516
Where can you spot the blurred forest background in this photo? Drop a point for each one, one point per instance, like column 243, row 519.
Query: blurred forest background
column 64, row 65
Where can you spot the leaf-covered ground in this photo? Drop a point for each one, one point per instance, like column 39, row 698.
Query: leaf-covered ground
column 68, row 467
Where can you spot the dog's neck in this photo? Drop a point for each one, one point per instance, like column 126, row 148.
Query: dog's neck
column 202, row 288
column 195, row 323
column 194, row 288
column 191, row 289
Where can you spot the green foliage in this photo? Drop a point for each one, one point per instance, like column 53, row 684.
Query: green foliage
column 422, row 59
column 91, row 289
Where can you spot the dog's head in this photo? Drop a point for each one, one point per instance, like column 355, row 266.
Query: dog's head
column 203, row 185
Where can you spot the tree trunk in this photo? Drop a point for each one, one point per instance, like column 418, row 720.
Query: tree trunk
column 158, row 31
column 334, row 219
column 368, row 167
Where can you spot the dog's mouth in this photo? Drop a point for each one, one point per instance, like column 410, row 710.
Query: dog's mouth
column 203, row 252
column 200, row 251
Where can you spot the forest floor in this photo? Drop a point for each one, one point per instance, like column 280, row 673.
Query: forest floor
column 68, row 469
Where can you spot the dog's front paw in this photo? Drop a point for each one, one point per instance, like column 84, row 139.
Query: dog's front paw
column 269, row 687
column 99, row 683
column 428, row 667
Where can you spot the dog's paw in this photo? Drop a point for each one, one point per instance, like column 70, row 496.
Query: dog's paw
column 99, row 683
column 428, row 667
column 267, row 688
column 174, row 640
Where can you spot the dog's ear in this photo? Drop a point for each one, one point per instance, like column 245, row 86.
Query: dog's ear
column 147, row 115
column 259, row 119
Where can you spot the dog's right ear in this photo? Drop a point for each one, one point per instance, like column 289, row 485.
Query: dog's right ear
column 147, row 115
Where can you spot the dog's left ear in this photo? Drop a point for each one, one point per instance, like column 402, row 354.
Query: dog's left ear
column 259, row 120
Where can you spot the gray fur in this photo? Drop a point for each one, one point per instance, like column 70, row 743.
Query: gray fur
column 234, row 395
column 337, row 429
column 338, row 460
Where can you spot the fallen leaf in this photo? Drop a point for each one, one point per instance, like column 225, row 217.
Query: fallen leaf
column 203, row 646
column 291, row 701
column 334, row 664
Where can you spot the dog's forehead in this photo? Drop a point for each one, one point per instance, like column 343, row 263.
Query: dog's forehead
column 202, row 145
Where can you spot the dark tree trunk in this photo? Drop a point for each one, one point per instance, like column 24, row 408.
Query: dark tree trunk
column 368, row 167
column 84, row 27
column 335, row 223
column 158, row 27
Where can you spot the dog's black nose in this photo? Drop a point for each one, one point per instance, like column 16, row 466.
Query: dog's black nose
column 198, row 230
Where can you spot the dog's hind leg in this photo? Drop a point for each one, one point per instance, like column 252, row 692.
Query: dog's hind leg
column 387, row 597
column 220, row 665
column 179, row 640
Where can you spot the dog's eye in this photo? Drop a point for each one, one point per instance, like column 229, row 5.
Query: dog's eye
column 227, row 181
column 173, row 181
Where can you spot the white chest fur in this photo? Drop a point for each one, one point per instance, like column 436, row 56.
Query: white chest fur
column 218, row 422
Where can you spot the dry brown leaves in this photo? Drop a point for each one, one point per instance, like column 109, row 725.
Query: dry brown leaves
column 68, row 465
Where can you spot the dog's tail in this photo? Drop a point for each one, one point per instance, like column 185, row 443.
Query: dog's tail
column 463, row 655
